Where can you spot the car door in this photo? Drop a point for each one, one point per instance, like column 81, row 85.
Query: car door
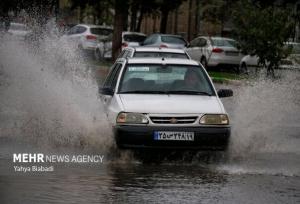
column 193, row 49
column 204, row 48
column 110, row 84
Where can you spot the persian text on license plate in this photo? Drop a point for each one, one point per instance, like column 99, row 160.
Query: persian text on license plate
column 179, row 136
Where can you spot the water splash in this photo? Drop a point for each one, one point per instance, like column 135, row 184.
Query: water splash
column 266, row 116
column 49, row 95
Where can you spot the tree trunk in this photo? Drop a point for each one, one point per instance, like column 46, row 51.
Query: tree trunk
column 120, row 19
column 197, row 21
column 176, row 22
column 164, row 20
column 134, row 8
column 190, row 20
column 138, row 27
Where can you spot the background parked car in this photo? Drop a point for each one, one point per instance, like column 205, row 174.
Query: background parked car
column 129, row 39
column 165, row 40
column 86, row 36
column 154, row 52
column 215, row 51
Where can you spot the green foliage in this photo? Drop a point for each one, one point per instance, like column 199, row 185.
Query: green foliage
column 263, row 31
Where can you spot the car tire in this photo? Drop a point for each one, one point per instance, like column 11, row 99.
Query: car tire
column 243, row 69
column 203, row 62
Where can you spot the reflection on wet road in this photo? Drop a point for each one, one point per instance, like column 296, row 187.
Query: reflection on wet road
column 148, row 183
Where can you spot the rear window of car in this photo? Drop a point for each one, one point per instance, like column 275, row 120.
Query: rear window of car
column 161, row 54
column 134, row 38
column 224, row 43
column 173, row 40
column 101, row 31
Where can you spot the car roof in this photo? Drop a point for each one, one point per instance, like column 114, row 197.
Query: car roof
column 161, row 61
column 163, row 34
column 95, row 26
column 157, row 49
column 132, row 33
column 216, row 38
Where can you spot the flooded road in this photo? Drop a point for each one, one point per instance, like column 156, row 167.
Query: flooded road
column 49, row 105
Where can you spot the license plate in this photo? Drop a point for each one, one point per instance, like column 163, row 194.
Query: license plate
column 177, row 136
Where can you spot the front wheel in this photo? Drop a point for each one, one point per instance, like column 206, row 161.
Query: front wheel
column 203, row 62
column 243, row 69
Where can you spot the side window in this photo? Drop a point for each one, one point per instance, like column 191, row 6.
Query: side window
column 195, row 42
column 116, row 76
column 121, row 55
column 127, row 53
column 148, row 40
column 154, row 39
column 80, row 30
column 72, row 31
column 202, row 42
column 112, row 77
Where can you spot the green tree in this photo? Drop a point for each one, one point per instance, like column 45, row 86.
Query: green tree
column 263, row 31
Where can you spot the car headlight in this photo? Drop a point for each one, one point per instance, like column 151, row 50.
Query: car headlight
column 214, row 119
column 136, row 118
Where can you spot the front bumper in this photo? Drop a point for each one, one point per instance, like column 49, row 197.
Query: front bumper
column 205, row 138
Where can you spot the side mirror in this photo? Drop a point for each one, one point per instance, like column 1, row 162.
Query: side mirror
column 225, row 93
column 106, row 91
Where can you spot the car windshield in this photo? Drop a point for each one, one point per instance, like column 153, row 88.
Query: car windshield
column 161, row 54
column 134, row 38
column 165, row 79
column 219, row 42
column 101, row 31
column 173, row 40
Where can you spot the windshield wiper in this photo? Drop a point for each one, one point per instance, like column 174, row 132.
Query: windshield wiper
column 190, row 92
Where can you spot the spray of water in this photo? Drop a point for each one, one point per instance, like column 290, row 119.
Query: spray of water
column 49, row 95
column 265, row 126
column 266, row 115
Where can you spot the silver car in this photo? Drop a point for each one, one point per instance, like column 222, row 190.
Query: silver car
column 165, row 41
column 215, row 51
column 86, row 36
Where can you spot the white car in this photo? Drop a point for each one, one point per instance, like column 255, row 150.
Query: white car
column 129, row 39
column 215, row 51
column 87, row 36
column 153, row 52
column 165, row 40
column 164, row 103
column 290, row 62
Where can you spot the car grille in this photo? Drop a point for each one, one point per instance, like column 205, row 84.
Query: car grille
column 174, row 120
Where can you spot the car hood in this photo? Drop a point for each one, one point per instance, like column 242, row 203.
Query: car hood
column 158, row 103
